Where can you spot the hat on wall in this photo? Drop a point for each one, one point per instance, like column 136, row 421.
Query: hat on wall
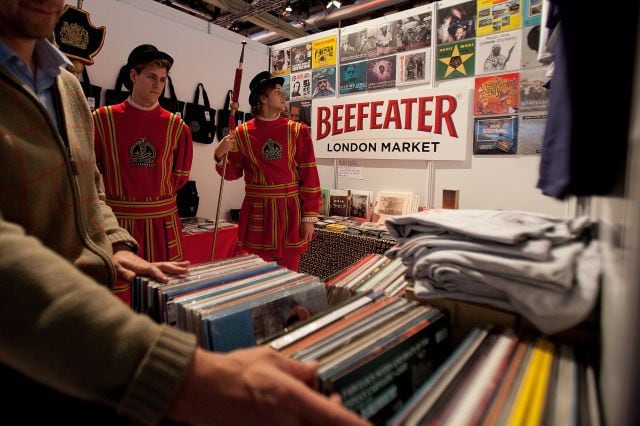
column 141, row 55
column 258, row 83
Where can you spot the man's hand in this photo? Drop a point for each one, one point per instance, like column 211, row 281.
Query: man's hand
column 255, row 386
column 306, row 230
column 223, row 147
column 128, row 265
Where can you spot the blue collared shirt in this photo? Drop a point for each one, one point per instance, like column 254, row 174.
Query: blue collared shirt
column 48, row 61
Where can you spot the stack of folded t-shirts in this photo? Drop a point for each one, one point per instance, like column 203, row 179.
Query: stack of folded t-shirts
column 545, row 268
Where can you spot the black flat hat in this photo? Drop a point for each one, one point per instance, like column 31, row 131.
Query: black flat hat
column 141, row 55
column 259, row 82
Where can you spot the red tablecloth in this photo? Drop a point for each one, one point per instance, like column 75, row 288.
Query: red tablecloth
column 196, row 247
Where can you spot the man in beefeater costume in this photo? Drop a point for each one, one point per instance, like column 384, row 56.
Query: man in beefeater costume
column 144, row 153
column 282, row 188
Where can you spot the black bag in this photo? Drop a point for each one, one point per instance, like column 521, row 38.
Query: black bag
column 171, row 104
column 117, row 95
column 188, row 200
column 91, row 91
column 201, row 118
column 223, row 117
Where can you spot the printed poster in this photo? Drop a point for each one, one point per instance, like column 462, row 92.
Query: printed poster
column 414, row 32
column 495, row 135
column 301, row 57
column 414, row 68
column 530, row 42
column 456, row 60
column 496, row 16
column 532, row 12
column 353, row 77
column 353, row 46
column 531, row 133
column 324, row 52
column 324, row 82
column 280, row 61
column 286, row 86
column 497, row 94
column 456, row 23
column 533, row 95
column 499, row 53
column 300, row 86
column 381, row 73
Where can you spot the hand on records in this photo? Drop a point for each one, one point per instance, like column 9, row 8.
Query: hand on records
column 128, row 265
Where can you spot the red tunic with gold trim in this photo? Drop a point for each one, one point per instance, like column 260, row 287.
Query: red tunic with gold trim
column 281, row 185
column 145, row 157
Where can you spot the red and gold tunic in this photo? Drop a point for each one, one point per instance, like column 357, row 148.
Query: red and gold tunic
column 281, row 185
column 145, row 157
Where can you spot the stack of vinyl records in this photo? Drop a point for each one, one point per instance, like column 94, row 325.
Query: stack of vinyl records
column 371, row 273
column 375, row 351
column 232, row 303
column 497, row 378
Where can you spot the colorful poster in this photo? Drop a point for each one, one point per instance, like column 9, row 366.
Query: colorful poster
column 455, row 60
column 280, row 61
column 533, row 95
column 532, row 12
column 456, row 23
column 414, row 32
column 381, row 73
column 530, row 42
column 496, row 135
column 531, row 133
column 301, row 57
column 499, row 53
column 300, row 86
column 353, row 46
column 495, row 16
column 414, row 68
column 353, row 77
column 324, row 82
column 497, row 94
column 300, row 111
column 324, row 52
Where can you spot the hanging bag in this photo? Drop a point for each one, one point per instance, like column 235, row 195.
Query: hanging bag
column 91, row 91
column 171, row 104
column 223, row 117
column 117, row 95
column 201, row 117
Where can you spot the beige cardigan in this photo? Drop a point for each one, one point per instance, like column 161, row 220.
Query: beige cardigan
column 57, row 325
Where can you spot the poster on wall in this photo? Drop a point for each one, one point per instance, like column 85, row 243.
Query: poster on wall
column 456, row 60
column 286, row 86
column 498, row 53
column 419, row 124
column 300, row 86
column 456, row 23
column 353, row 77
column 531, row 133
column 530, row 42
column 323, row 82
column 353, row 46
column 382, row 39
column 323, row 52
column 495, row 16
column 280, row 61
column 531, row 12
column 414, row 68
column 381, row 73
column 495, row 135
column 301, row 57
column 497, row 94
column 300, row 111
column 414, row 32
column 533, row 95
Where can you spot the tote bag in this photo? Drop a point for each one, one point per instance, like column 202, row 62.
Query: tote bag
column 223, row 117
column 201, row 117
column 117, row 95
column 171, row 104
column 91, row 91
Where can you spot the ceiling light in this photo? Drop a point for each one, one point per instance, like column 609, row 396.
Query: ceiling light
column 333, row 3
column 288, row 8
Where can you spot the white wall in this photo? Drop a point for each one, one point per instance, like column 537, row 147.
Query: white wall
column 202, row 52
